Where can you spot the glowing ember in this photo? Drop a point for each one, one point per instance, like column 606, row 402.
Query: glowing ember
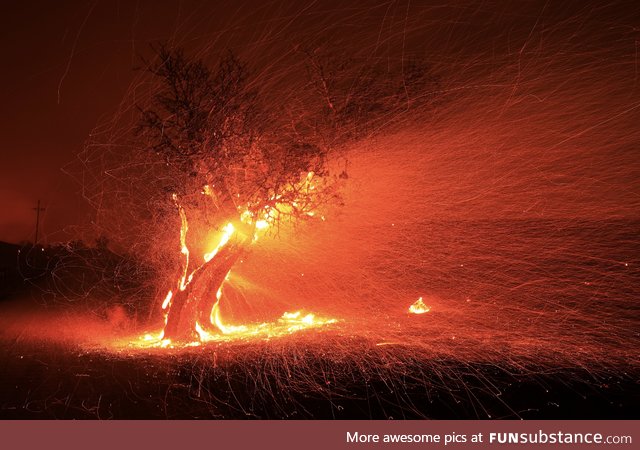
column 419, row 307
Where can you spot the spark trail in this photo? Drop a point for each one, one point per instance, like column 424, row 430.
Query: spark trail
column 507, row 202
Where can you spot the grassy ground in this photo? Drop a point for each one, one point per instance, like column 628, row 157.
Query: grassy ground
column 293, row 379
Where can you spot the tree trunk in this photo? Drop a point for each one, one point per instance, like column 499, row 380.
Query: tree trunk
column 195, row 302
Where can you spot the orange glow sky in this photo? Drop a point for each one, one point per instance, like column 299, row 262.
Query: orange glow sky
column 68, row 65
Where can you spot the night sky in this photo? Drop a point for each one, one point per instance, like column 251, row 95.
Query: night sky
column 69, row 64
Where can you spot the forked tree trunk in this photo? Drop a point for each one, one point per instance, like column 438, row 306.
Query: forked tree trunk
column 195, row 302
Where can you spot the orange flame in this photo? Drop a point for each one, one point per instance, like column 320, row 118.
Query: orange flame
column 228, row 231
column 419, row 307
column 261, row 221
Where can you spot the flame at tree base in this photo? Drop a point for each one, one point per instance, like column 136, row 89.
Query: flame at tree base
column 287, row 324
column 191, row 310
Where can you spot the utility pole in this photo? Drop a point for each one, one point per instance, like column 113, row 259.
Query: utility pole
column 37, row 210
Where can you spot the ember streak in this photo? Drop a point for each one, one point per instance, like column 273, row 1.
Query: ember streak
column 402, row 210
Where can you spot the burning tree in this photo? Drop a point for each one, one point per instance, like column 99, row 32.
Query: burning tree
column 235, row 171
column 240, row 168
